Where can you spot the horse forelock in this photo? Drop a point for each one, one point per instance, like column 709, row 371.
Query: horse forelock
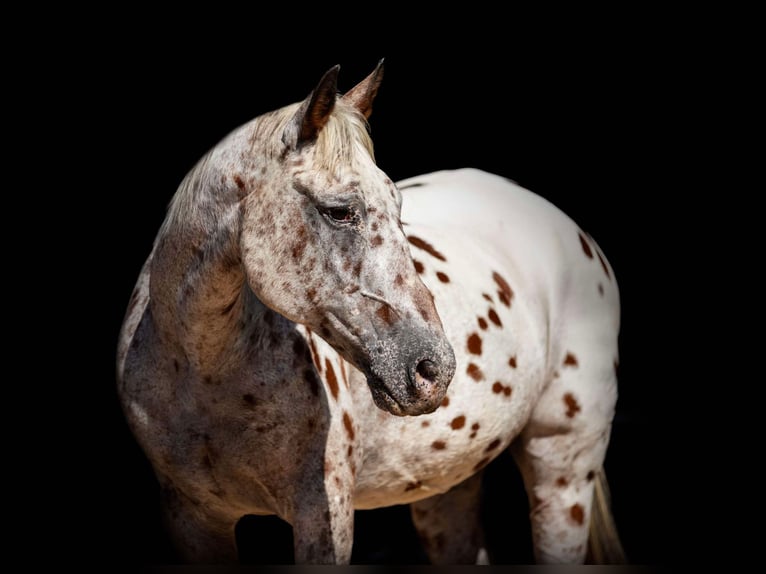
column 343, row 141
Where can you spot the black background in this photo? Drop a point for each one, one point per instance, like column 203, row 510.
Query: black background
column 585, row 113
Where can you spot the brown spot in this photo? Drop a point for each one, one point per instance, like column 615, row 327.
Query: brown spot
column 425, row 246
column 481, row 464
column 600, row 289
column 358, row 269
column 475, row 426
column 585, row 246
column 240, row 183
column 332, row 380
column 570, row 360
column 561, row 481
column 312, row 380
column 425, row 423
column 603, row 265
column 418, row 266
column 495, row 318
column 507, row 391
column 384, row 312
column 474, row 344
column 482, row 323
column 348, row 423
column 399, row 280
column 311, row 293
column 512, row 362
column 377, row 240
column 497, row 387
column 577, row 513
column 438, row 445
column 412, row 485
column 315, row 354
column 474, row 372
column 375, row 225
column 458, row 422
column 249, row 400
column 572, row 405
column 350, row 450
column 493, row 445
column 298, row 248
column 504, row 292
column 591, row 475
column 445, row 401
column 443, row 277
column 487, row 296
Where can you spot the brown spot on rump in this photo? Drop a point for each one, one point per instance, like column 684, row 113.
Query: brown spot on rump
column 561, row 481
column 332, row 380
column 438, row 445
column 376, row 241
column 573, row 406
column 445, row 401
column 384, row 312
column 413, row 485
column 512, row 362
column 577, row 513
column 312, row 380
column 497, row 387
column 474, row 372
column 591, row 475
column 493, row 316
column 350, row 451
column 481, row 464
column 570, row 360
column 443, row 277
column 425, row 246
column 348, row 423
column 482, row 323
column 505, row 293
column 458, row 422
column 425, row 424
column 418, row 266
column 507, row 391
column 487, row 297
column 493, row 445
column 585, row 247
column 240, row 182
column 475, row 426
column 474, row 344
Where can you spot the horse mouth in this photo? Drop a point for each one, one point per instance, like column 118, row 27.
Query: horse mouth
column 383, row 399
column 386, row 400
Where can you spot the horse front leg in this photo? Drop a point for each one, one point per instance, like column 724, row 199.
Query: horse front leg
column 323, row 515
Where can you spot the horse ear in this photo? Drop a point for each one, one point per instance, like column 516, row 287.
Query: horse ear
column 313, row 112
column 362, row 95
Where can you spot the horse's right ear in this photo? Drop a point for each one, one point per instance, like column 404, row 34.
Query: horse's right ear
column 313, row 112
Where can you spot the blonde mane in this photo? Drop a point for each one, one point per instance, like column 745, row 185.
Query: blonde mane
column 342, row 141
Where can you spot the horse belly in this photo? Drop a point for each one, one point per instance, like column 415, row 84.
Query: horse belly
column 496, row 325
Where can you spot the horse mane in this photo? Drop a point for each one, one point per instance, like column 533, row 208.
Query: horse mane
column 342, row 141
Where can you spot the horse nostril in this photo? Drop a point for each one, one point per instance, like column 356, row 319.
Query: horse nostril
column 427, row 369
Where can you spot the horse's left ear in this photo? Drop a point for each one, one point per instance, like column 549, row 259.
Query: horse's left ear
column 362, row 95
column 314, row 111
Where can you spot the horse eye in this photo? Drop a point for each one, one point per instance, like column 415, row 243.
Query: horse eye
column 339, row 214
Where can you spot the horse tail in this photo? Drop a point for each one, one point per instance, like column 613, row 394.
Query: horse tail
column 604, row 546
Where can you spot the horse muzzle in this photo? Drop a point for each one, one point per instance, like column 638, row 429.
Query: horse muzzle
column 414, row 383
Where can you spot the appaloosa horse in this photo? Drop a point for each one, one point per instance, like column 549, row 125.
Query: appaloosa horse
column 308, row 338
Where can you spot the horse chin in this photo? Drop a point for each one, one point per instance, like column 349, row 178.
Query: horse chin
column 385, row 401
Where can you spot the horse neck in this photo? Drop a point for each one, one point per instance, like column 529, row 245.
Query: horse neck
column 200, row 301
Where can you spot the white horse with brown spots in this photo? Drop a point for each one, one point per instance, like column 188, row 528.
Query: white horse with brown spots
column 298, row 309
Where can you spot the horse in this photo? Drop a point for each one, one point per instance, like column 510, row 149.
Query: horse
column 308, row 338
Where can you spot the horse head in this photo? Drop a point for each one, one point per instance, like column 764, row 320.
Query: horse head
column 322, row 244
